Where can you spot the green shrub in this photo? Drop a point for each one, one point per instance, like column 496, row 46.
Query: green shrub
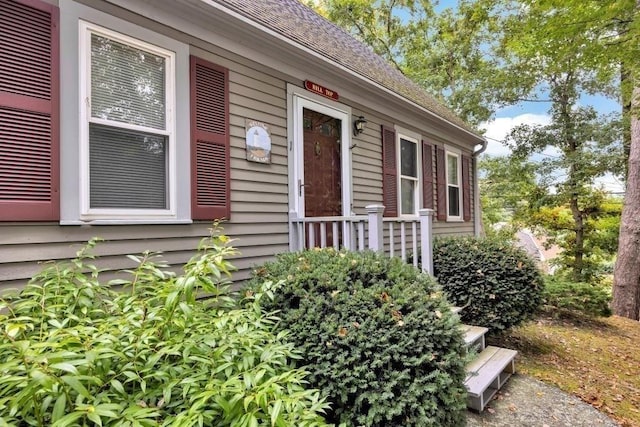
column 75, row 353
column 498, row 284
column 586, row 298
column 378, row 337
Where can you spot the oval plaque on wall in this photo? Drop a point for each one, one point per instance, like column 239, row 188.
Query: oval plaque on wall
column 258, row 140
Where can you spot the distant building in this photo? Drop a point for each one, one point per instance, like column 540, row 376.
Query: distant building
column 535, row 246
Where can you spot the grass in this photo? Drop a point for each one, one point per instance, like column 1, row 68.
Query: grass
column 596, row 359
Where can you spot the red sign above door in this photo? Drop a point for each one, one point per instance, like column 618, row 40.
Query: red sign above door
column 320, row 90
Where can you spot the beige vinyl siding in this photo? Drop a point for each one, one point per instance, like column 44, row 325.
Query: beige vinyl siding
column 367, row 175
column 442, row 228
column 21, row 258
column 367, row 163
column 259, row 193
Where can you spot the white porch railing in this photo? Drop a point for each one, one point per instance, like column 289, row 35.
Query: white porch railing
column 406, row 237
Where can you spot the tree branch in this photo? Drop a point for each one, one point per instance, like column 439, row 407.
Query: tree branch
column 363, row 33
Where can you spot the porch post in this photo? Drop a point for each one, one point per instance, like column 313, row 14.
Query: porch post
column 295, row 237
column 426, row 240
column 376, row 230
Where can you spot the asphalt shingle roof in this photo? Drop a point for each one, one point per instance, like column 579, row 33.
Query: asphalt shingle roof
column 304, row 26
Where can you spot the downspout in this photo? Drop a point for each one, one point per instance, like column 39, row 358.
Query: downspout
column 477, row 209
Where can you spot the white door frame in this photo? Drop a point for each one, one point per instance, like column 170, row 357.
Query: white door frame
column 297, row 100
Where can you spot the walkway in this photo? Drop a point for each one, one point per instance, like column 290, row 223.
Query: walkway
column 527, row 402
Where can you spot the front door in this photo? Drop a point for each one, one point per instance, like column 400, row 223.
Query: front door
column 322, row 165
column 322, row 175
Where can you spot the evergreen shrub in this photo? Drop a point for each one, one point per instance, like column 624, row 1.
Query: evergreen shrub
column 73, row 352
column 378, row 337
column 498, row 285
column 587, row 298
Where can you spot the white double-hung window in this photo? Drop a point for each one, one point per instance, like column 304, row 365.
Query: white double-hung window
column 409, row 174
column 454, row 188
column 128, row 134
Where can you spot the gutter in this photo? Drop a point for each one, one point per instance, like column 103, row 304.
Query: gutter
column 477, row 209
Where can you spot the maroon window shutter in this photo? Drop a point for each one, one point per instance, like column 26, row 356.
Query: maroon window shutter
column 466, row 188
column 427, row 175
column 29, row 111
column 389, row 172
column 441, row 184
column 210, row 175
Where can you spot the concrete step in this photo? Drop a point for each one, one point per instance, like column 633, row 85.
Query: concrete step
column 487, row 374
column 474, row 337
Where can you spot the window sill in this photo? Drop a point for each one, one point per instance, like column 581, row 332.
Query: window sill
column 126, row 222
column 454, row 220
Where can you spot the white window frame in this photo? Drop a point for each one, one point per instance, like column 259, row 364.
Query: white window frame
column 86, row 212
column 414, row 138
column 458, row 155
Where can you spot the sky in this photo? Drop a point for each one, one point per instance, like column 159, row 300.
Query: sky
column 532, row 113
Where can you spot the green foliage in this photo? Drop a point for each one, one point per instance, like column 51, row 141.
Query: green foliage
column 378, row 337
column 605, row 31
column 513, row 193
column 74, row 352
column 600, row 223
column 587, row 298
column 498, row 284
column 505, row 183
column 606, row 225
column 558, row 66
column 566, row 206
column 442, row 49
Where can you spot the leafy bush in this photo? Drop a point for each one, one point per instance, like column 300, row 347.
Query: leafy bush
column 498, row 284
column 587, row 298
column 74, row 352
column 378, row 337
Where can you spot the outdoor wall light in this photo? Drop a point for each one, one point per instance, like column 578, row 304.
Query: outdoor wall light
column 358, row 126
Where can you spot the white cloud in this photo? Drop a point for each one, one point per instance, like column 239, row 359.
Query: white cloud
column 498, row 129
column 610, row 183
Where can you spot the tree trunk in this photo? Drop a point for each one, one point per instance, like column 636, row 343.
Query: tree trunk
column 626, row 276
column 578, row 251
column 571, row 149
column 625, row 95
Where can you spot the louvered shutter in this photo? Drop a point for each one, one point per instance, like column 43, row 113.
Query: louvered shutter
column 389, row 172
column 209, row 141
column 441, row 184
column 427, row 175
column 29, row 111
column 466, row 188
